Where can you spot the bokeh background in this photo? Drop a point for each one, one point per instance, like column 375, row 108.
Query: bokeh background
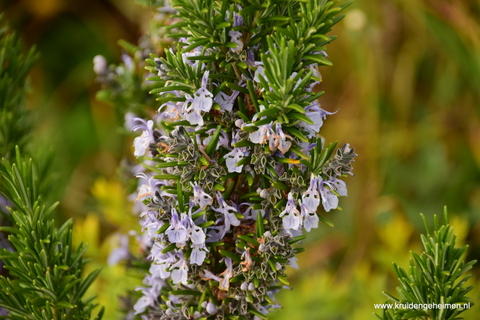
column 405, row 82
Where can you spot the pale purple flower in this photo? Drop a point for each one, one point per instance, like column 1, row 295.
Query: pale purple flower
column 311, row 197
column 142, row 143
column 223, row 140
column 329, row 199
column 235, row 35
column 226, row 101
column 233, row 157
column 143, row 303
column 207, row 275
column 314, row 114
column 162, row 262
column 149, row 188
column 172, row 112
column 340, row 186
column 239, row 123
column 216, row 233
column 193, row 53
column 291, row 215
column 156, row 253
column 202, row 101
column 293, row 263
column 327, row 188
column 120, row 253
column 150, row 293
column 317, row 115
column 199, row 253
column 197, row 235
column 307, row 147
column 151, row 224
column 228, row 212
column 263, row 309
column 202, row 97
column 227, row 275
column 323, row 52
column 260, row 71
column 310, row 219
column 200, row 197
column 247, row 260
column 156, row 284
column 251, row 58
column 263, row 133
column 177, row 232
column 278, row 140
column 190, row 112
column 180, row 272
column 237, row 19
column 161, row 267
column 129, row 120
column 250, row 213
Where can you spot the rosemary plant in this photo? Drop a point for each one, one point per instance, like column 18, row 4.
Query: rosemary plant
column 234, row 167
column 433, row 288
column 44, row 271
column 41, row 274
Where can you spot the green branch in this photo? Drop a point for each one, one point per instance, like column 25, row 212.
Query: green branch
column 43, row 278
column 433, row 288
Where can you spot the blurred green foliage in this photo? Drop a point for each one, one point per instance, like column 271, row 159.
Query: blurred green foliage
column 405, row 79
column 15, row 121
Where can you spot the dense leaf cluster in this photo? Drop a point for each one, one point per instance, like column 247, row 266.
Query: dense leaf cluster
column 435, row 277
column 44, row 271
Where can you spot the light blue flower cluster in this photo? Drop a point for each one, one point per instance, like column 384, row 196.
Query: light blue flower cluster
column 319, row 191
